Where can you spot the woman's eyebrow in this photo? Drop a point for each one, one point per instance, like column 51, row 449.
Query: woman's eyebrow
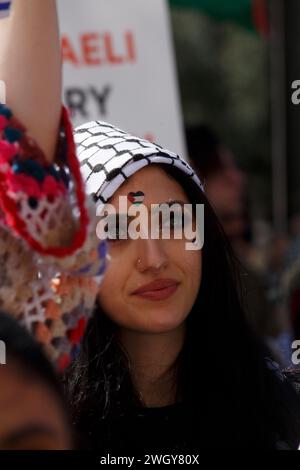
column 120, row 217
column 123, row 216
column 26, row 432
column 169, row 203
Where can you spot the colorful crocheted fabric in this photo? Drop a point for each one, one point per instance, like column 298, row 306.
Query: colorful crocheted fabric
column 51, row 260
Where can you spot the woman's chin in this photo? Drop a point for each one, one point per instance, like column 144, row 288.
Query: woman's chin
column 160, row 323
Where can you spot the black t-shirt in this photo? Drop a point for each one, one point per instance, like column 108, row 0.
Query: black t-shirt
column 142, row 431
column 184, row 428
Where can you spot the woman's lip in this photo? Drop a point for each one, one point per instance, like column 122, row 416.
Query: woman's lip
column 160, row 294
column 157, row 290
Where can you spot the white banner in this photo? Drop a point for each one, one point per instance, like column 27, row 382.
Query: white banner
column 119, row 67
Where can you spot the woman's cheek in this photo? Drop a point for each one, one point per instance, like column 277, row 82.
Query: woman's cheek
column 112, row 286
column 107, row 288
column 193, row 268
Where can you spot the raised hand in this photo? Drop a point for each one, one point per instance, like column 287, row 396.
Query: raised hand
column 30, row 66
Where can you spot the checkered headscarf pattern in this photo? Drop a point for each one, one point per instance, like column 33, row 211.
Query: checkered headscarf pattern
column 109, row 156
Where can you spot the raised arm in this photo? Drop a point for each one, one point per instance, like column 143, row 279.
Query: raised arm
column 52, row 260
column 30, row 65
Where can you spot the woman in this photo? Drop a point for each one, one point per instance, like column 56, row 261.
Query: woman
column 32, row 408
column 168, row 362
column 173, row 370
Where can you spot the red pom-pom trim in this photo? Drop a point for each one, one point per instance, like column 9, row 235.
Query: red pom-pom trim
column 11, row 211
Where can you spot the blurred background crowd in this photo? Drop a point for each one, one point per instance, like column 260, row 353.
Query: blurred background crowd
column 236, row 64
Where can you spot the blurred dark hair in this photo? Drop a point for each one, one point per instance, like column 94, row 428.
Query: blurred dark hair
column 234, row 398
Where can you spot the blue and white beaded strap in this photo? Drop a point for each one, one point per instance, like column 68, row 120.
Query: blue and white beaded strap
column 4, row 8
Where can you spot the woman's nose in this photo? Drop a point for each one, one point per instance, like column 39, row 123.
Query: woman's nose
column 150, row 255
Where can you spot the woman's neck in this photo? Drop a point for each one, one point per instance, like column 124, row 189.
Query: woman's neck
column 152, row 360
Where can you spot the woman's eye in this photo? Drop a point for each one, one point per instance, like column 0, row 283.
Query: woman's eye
column 119, row 233
column 117, row 229
column 176, row 224
column 187, row 219
column 174, row 221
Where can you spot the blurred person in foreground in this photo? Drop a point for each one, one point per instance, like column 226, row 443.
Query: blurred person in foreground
column 32, row 408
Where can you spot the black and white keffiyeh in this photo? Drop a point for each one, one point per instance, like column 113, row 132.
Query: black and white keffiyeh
column 109, row 156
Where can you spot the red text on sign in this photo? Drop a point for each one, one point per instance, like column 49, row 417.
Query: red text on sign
column 94, row 49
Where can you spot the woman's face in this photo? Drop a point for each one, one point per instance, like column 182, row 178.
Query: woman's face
column 135, row 264
column 31, row 415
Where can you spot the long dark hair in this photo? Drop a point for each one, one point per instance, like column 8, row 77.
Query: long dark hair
column 236, row 400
